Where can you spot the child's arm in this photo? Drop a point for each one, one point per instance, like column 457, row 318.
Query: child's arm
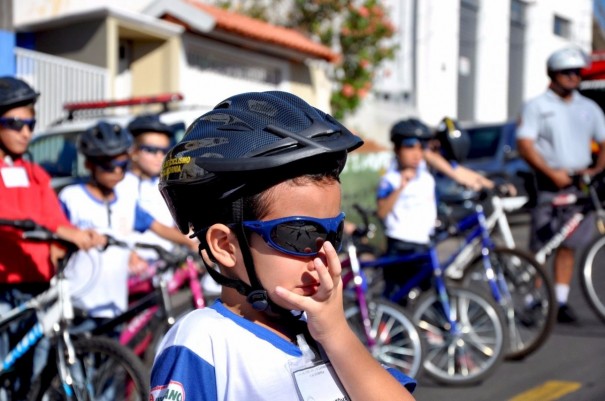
column 361, row 375
column 385, row 204
column 172, row 234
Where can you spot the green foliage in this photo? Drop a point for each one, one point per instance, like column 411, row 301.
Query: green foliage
column 359, row 30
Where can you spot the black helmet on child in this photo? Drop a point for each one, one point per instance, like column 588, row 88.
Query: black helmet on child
column 104, row 140
column 246, row 144
column 455, row 141
column 149, row 123
column 410, row 131
column 15, row 92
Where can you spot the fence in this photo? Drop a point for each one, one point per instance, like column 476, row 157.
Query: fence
column 59, row 80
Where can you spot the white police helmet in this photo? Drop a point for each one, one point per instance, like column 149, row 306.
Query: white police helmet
column 567, row 58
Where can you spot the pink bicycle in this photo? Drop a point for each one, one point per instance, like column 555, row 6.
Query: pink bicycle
column 151, row 311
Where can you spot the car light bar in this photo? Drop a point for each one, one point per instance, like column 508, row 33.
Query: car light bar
column 133, row 101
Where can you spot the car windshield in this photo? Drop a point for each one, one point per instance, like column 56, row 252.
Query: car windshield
column 484, row 142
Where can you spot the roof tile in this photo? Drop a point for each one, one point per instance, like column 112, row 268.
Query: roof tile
column 265, row 32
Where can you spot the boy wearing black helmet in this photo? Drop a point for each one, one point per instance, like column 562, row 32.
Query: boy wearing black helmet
column 151, row 143
column 406, row 197
column 25, row 193
column 256, row 179
column 96, row 204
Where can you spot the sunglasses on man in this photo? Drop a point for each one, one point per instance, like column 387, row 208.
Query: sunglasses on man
column 17, row 124
column 571, row 71
column 300, row 235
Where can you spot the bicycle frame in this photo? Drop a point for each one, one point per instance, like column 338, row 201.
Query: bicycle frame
column 54, row 311
column 179, row 278
column 557, row 239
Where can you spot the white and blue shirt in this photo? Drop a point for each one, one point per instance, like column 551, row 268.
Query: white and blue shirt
column 214, row 354
column 146, row 194
column 413, row 216
column 99, row 279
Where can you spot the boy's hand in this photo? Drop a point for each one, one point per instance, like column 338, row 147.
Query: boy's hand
column 325, row 313
column 136, row 264
column 407, row 175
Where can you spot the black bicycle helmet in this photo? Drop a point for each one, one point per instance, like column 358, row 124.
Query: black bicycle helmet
column 104, row 140
column 246, row 144
column 149, row 123
column 455, row 141
column 15, row 93
column 412, row 128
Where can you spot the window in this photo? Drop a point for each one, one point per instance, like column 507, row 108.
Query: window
column 562, row 27
column 484, row 142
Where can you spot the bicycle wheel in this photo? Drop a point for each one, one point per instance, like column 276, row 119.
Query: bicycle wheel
column 592, row 276
column 106, row 371
column 472, row 349
column 527, row 298
column 398, row 343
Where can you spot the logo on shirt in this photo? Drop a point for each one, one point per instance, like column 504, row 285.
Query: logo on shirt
column 174, row 391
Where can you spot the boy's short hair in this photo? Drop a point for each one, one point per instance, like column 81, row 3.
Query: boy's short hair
column 245, row 145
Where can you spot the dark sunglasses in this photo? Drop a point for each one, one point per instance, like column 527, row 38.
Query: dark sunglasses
column 110, row 166
column 153, row 149
column 572, row 71
column 17, row 124
column 299, row 235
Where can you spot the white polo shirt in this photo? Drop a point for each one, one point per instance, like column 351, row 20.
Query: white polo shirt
column 562, row 130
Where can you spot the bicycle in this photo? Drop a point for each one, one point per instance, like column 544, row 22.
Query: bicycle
column 385, row 328
column 151, row 312
column 516, row 280
column 94, row 368
column 464, row 330
column 591, row 276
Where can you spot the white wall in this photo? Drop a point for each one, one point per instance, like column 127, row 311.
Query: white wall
column 541, row 42
column 491, row 91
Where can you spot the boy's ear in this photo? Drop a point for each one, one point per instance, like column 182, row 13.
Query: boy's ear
column 222, row 243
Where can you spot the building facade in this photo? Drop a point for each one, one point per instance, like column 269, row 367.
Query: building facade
column 474, row 60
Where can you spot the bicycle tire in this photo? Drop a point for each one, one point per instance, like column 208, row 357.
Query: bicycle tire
column 478, row 344
column 107, row 371
column 398, row 341
column 592, row 276
column 530, row 312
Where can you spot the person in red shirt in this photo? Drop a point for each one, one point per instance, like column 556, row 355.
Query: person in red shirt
column 25, row 193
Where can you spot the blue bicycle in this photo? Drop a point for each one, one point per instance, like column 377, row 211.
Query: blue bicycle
column 464, row 330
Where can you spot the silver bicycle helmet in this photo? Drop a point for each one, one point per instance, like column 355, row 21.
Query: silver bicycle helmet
column 567, row 58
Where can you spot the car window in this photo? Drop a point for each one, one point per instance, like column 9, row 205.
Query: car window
column 58, row 155
column 484, row 142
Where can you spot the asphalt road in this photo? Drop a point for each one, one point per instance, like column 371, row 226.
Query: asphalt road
column 569, row 367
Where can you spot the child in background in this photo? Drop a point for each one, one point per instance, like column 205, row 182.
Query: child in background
column 257, row 180
column 96, row 205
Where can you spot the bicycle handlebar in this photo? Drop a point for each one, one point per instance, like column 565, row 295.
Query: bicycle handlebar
column 174, row 258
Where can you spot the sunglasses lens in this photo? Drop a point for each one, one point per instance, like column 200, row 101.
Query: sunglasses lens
column 299, row 236
column 305, row 237
column 154, row 150
column 17, row 124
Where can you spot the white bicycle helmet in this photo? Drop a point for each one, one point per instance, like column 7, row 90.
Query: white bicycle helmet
column 567, row 58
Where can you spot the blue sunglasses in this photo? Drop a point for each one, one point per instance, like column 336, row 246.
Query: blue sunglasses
column 299, row 235
column 154, row 150
column 110, row 166
column 17, row 124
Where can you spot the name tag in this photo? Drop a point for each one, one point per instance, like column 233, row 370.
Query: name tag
column 319, row 383
column 14, row 177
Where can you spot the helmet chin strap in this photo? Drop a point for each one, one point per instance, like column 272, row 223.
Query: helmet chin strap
column 255, row 293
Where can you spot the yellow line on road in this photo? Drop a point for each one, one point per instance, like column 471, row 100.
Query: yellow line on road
column 549, row 391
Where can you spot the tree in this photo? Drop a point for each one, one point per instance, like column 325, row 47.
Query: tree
column 358, row 30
